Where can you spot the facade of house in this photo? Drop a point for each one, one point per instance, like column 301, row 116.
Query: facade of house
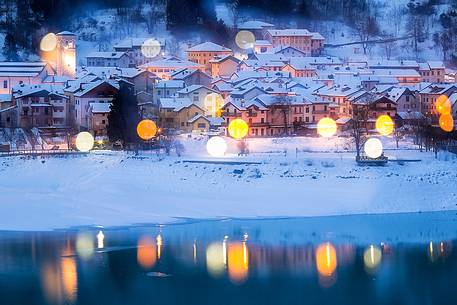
column 203, row 53
column 133, row 48
column 40, row 106
column 309, row 43
column 108, row 59
column 224, row 66
column 181, row 114
column 429, row 95
column 13, row 74
column 102, row 91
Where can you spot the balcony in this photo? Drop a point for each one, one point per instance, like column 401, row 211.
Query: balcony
column 252, row 114
column 231, row 114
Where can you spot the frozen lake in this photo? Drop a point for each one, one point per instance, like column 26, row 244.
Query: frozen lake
column 358, row 259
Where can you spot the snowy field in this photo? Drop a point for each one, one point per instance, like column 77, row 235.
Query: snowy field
column 114, row 188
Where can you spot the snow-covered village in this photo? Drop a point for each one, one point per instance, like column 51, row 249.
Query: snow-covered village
column 179, row 149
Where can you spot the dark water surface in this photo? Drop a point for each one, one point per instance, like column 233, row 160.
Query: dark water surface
column 378, row 259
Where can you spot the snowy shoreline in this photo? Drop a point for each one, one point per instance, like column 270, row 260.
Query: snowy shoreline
column 116, row 189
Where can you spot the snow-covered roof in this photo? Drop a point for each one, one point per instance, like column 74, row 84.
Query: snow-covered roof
column 438, row 88
column 261, row 42
column 219, row 59
column 171, row 63
column 171, row 84
column 343, row 91
column 5, row 98
column 393, row 64
column 115, row 55
column 192, row 88
column 208, row 47
column 130, row 43
column 48, row 89
column 410, row 115
column 196, row 117
column 24, row 69
column 435, row 64
column 100, row 107
column 175, row 103
column 105, row 72
column 254, row 25
column 66, row 33
column 290, row 32
column 86, row 88
column 397, row 72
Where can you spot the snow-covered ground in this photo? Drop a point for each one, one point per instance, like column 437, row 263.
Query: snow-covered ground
column 114, row 188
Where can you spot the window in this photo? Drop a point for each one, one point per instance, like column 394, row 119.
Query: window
column 201, row 125
column 103, row 122
column 5, row 84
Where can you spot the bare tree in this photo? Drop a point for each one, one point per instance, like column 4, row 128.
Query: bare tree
column 358, row 129
column 389, row 45
column 283, row 103
column 366, row 27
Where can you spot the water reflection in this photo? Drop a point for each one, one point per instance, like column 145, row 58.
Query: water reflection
column 146, row 252
column 221, row 264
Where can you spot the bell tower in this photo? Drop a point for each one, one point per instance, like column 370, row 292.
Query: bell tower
column 66, row 54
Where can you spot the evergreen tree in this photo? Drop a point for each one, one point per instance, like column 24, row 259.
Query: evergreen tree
column 10, row 48
column 123, row 118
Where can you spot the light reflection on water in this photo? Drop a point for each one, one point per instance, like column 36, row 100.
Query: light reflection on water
column 234, row 262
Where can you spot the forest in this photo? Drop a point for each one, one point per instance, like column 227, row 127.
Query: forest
column 23, row 22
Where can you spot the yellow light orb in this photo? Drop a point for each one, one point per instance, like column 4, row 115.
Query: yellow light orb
column 146, row 252
column 446, row 122
column 84, row 141
column 443, row 105
column 373, row 148
column 245, row 40
column 238, row 262
column 216, row 146
column 372, row 257
column 326, row 127
column 48, row 43
column 84, row 245
column 238, row 129
column 385, row 125
column 215, row 259
column 146, row 129
column 326, row 260
column 151, row 48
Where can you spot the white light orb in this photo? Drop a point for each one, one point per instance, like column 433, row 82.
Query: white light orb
column 151, row 48
column 216, row 146
column 48, row 43
column 245, row 40
column 373, row 148
column 215, row 259
column 84, row 141
column 84, row 245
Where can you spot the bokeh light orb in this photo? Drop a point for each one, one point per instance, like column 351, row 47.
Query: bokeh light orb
column 326, row 127
column 146, row 129
column 213, row 104
column 443, row 105
column 373, row 148
column 326, row 260
column 446, row 122
column 238, row 262
column 84, row 141
column 215, row 259
column 238, row 129
column 48, row 43
column 146, row 252
column 245, row 40
column 372, row 257
column 216, row 146
column 151, row 48
column 385, row 125
column 84, row 245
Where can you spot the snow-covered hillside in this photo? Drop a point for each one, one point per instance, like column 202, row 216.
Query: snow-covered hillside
column 111, row 189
